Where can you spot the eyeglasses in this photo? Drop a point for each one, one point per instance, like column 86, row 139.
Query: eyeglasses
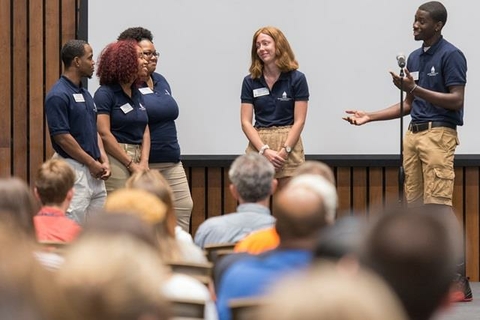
column 150, row 54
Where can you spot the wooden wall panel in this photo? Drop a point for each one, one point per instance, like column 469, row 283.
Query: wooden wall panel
column 5, row 92
column 20, row 93
column 36, row 92
column 344, row 191
column 359, row 181
column 375, row 194
column 472, row 223
column 215, row 192
column 198, row 183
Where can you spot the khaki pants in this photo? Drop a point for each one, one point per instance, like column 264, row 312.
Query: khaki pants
column 120, row 173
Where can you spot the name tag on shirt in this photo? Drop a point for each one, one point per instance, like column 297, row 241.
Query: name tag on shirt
column 145, row 90
column 78, row 97
column 414, row 75
column 126, row 108
column 260, row 92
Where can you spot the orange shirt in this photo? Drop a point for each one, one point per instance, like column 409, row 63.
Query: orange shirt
column 51, row 224
column 258, row 241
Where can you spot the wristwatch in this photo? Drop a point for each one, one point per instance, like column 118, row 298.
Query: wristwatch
column 288, row 149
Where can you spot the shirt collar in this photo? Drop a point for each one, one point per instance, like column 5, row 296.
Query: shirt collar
column 253, row 207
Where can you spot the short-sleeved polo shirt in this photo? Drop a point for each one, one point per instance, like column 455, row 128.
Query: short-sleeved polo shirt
column 70, row 109
column 275, row 107
column 441, row 66
column 128, row 116
column 162, row 110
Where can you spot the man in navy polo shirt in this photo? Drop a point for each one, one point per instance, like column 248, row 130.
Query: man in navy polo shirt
column 435, row 86
column 72, row 122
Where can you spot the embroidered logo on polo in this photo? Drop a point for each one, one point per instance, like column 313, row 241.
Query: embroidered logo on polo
column 284, row 97
column 432, row 73
column 141, row 107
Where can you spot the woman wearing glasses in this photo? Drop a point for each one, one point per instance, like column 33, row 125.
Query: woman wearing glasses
column 122, row 120
column 162, row 112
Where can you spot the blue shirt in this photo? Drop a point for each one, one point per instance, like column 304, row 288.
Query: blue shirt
column 70, row 109
column 128, row 116
column 252, row 276
column 162, row 112
column 275, row 107
column 233, row 227
column 441, row 66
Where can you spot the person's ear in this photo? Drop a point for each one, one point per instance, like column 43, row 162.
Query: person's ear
column 234, row 191
column 70, row 194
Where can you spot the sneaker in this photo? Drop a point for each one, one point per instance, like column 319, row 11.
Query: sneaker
column 461, row 291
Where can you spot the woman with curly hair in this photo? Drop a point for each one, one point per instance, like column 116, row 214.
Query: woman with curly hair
column 162, row 112
column 122, row 118
column 277, row 93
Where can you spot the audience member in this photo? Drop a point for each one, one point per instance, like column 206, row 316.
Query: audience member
column 152, row 210
column 176, row 285
column 154, row 182
column 302, row 211
column 416, row 254
column 108, row 277
column 26, row 289
column 252, row 184
column 54, row 188
column 327, row 292
column 17, row 205
column 267, row 239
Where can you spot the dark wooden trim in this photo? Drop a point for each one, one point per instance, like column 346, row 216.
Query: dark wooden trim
column 367, row 160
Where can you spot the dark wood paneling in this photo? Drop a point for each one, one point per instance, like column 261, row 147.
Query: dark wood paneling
column 5, row 93
column 36, row 92
column 215, row 192
column 198, row 183
column 20, row 93
column 472, row 223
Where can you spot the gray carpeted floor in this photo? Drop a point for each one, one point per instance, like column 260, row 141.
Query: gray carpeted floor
column 464, row 310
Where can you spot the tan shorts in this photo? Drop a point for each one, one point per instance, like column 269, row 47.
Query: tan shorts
column 120, row 173
column 428, row 163
column 275, row 137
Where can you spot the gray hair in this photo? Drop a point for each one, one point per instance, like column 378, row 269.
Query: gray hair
column 252, row 175
column 323, row 188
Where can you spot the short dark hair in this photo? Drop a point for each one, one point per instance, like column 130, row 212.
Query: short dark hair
column 437, row 11
column 416, row 254
column 136, row 33
column 71, row 49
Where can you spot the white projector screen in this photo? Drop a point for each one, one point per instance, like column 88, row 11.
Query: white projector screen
column 345, row 48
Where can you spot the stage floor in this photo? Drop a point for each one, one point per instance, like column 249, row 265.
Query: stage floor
column 464, row 310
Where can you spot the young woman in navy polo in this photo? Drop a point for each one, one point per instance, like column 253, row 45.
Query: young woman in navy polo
column 277, row 94
column 122, row 118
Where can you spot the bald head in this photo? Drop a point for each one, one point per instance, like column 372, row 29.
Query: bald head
column 300, row 209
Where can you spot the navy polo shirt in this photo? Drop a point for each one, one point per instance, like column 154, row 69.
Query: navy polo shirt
column 162, row 110
column 128, row 116
column 70, row 109
column 275, row 107
column 441, row 66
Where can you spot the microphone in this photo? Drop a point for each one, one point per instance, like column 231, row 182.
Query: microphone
column 401, row 60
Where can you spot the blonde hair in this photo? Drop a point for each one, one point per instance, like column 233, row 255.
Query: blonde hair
column 142, row 203
column 153, row 182
column 113, row 277
column 285, row 58
column 54, row 179
column 150, row 209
